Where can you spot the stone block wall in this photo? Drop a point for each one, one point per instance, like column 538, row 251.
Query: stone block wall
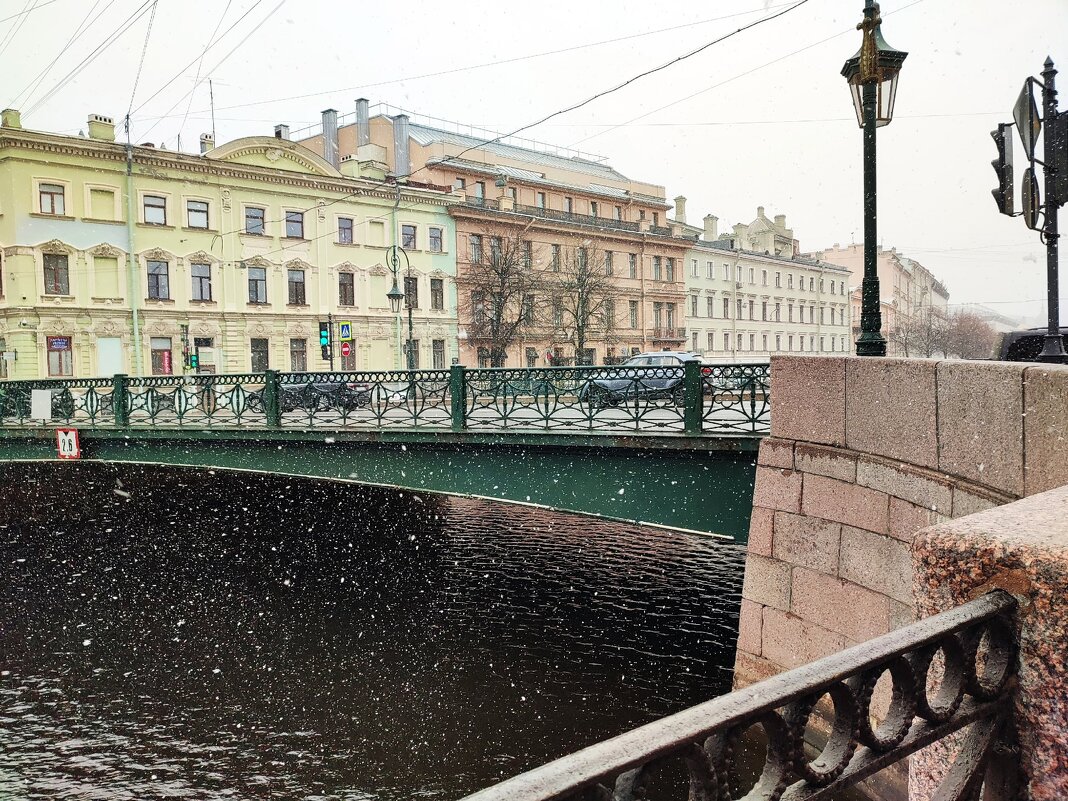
column 863, row 454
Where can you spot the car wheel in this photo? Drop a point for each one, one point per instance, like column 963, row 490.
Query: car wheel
column 678, row 396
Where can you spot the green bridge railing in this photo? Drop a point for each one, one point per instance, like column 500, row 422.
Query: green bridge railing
column 691, row 399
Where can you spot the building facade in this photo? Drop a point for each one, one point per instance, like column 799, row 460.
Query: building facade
column 145, row 261
column 563, row 209
column 749, row 295
column 910, row 295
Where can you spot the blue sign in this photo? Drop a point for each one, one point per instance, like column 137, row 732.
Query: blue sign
column 345, row 334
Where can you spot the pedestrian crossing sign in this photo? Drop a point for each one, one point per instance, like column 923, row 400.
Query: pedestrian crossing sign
column 345, row 332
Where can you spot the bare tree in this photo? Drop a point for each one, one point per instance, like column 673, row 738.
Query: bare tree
column 969, row 336
column 923, row 334
column 585, row 296
column 502, row 295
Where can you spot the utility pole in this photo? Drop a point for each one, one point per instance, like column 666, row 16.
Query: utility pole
column 1053, row 347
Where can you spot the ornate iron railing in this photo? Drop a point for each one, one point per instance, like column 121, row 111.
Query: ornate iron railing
column 691, row 399
column 580, row 219
column 949, row 672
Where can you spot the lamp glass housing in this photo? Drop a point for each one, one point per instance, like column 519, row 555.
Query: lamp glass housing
column 395, row 297
column 885, row 95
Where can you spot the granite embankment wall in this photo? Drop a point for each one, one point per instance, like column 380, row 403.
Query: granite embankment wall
column 865, row 454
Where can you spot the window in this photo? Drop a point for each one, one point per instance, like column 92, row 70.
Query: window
column 539, row 200
column 294, row 225
column 619, row 212
column 408, row 237
column 812, row 284
column 633, row 314
column 726, row 272
column 695, row 346
column 693, row 308
column 260, row 360
column 558, row 312
column 438, row 350
column 738, row 309
column 710, row 269
column 298, row 355
column 790, row 281
column 196, row 214
column 569, row 204
column 726, row 341
column 822, row 343
column 257, row 285
column 658, row 272
column 778, row 310
column 436, row 241
column 581, row 259
column 764, row 310
column 411, row 292
column 475, row 249
column 201, row 274
column 812, row 314
column 789, row 312
column 344, row 230
column 790, row 343
column 159, row 285
column 480, row 189
column 801, row 344
column 155, row 210
column 711, row 340
column 609, row 315
column 710, row 307
column 528, row 253
column 764, row 280
column 532, row 357
column 102, row 204
column 811, row 342
column 752, row 275
column 726, row 308
column 56, row 274
column 297, row 296
column 254, row 220
column 658, row 314
column 162, row 359
column 52, row 199
column 752, row 342
column 832, row 344
column 528, row 309
column 483, row 358
column 346, row 289
column 738, row 272
column 411, row 353
column 778, row 342
column 554, row 265
column 495, row 250
column 670, row 269
column 459, row 183
column 608, row 262
column 633, row 265
column 778, row 279
column 695, row 270
column 60, row 356
column 764, row 342
column 437, row 294
column 656, row 218
column 593, row 208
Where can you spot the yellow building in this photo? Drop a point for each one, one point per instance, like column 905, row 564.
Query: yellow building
column 133, row 260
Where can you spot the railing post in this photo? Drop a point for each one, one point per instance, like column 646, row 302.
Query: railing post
column 458, row 396
column 120, row 400
column 692, row 395
column 271, row 406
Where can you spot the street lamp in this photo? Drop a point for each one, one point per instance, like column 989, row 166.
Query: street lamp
column 872, row 77
column 395, row 296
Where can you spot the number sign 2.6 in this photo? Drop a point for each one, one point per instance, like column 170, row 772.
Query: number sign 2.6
column 67, row 443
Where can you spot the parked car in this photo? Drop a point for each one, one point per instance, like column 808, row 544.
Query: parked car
column 1026, row 345
column 625, row 384
column 316, row 396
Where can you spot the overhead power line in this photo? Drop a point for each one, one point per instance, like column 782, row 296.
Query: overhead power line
column 12, row 32
column 200, row 63
column 37, row 7
column 141, row 63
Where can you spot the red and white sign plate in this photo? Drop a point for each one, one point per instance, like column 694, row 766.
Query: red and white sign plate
column 67, row 444
column 346, row 349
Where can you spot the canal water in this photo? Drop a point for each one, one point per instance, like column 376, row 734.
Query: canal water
column 187, row 635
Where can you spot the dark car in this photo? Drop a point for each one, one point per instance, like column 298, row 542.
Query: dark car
column 622, row 384
column 1026, row 345
column 315, row 396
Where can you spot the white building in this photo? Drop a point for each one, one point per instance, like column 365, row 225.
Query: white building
column 749, row 295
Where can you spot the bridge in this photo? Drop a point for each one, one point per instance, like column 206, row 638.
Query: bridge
column 669, row 445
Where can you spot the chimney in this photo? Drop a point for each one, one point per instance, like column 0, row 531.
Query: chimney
column 363, row 123
column 101, row 127
column 330, row 151
column 780, row 221
column 760, row 212
column 711, row 221
column 402, row 164
column 207, row 142
column 11, row 118
column 680, row 209
column 281, row 131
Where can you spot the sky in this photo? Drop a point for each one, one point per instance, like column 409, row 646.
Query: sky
column 761, row 118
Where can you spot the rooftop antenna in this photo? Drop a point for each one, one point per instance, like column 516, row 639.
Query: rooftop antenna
column 211, row 96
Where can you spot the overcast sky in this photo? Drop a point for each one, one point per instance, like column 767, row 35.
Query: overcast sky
column 763, row 118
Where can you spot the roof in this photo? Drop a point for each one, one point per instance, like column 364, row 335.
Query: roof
column 725, row 244
column 426, row 135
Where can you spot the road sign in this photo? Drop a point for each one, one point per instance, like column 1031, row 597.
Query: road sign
column 1025, row 112
column 1031, row 201
column 345, row 331
column 67, row 444
column 346, row 349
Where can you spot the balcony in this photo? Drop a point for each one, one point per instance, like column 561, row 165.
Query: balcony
column 482, row 203
column 669, row 335
column 553, row 214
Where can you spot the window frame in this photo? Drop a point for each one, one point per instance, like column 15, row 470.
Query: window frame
column 65, row 272
column 189, row 212
column 296, row 287
column 259, row 283
column 160, row 288
column 262, row 221
column 344, row 231
column 341, row 295
column 146, row 205
column 409, row 236
column 198, row 282
column 290, row 219
column 439, row 239
column 61, row 194
column 437, row 294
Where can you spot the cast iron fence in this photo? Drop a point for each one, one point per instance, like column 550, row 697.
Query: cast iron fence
column 950, row 671
column 691, row 398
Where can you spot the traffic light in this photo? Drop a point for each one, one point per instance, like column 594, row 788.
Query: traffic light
column 194, row 361
column 324, row 340
column 1002, row 165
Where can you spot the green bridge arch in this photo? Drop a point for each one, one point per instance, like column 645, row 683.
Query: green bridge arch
column 702, row 484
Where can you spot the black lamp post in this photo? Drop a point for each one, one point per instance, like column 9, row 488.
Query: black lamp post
column 395, row 296
column 872, row 76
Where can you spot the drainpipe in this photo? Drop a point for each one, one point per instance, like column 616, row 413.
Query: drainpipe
column 402, row 363
column 132, row 284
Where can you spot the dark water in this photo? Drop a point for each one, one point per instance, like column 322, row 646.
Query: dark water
column 185, row 635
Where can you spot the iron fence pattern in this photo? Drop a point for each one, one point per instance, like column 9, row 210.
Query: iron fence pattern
column 949, row 672
column 691, row 398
